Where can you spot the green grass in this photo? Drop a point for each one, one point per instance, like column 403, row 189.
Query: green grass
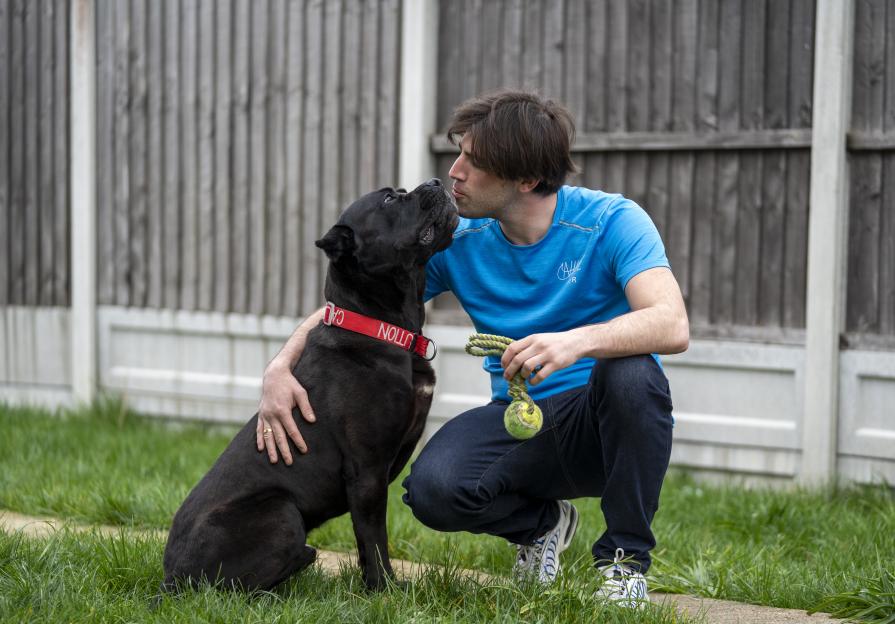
column 826, row 549
column 81, row 578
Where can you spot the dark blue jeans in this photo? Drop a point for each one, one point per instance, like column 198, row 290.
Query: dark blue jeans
column 611, row 439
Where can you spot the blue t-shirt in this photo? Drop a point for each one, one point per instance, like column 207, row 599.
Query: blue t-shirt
column 574, row 276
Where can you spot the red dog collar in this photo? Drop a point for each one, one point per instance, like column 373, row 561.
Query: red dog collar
column 352, row 321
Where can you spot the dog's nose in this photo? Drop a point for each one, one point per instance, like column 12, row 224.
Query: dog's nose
column 434, row 182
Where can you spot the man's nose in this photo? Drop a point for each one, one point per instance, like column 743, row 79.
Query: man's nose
column 456, row 172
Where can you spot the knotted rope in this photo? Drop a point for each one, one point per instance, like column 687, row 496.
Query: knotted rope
column 522, row 418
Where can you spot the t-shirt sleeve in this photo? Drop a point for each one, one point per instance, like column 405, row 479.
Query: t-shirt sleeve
column 631, row 242
column 436, row 282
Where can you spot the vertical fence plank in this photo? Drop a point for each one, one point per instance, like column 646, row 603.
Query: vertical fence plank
column 596, row 13
column 773, row 192
column 639, row 88
column 704, row 181
column 105, row 150
column 887, row 215
column 311, row 152
column 749, row 214
column 450, row 65
column 369, row 77
column 661, row 56
column 724, row 249
column 490, row 78
column 5, row 142
column 388, row 108
column 223, row 71
column 471, row 46
column 47, row 144
column 532, row 45
column 206, row 209
column 30, row 153
column 575, row 60
column 239, row 231
column 511, row 46
column 552, row 75
column 258, row 152
column 16, row 151
column 294, row 152
column 121, row 163
column 189, row 144
column 137, row 108
column 154, row 206
column 350, row 71
column 172, row 156
column 683, row 113
column 62, row 151
column 329, row 173
column 276, row 132
column 798, row 163
column 862, row 284
column 615, row 80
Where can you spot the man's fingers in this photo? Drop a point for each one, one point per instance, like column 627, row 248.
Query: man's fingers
column 259, row 437
column 542, row 374
column 269, row 443
column 282, row 443
column 512, row 350
column 518, row 361
column 304, row 405
column 292, row 432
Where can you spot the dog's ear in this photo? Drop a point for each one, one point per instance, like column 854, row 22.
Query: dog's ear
column 338, row 242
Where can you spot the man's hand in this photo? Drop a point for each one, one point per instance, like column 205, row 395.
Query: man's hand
column 542, row 354
column 280, row 393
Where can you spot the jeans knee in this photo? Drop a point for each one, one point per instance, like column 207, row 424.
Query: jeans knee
column 436, row 497
column 634, row 386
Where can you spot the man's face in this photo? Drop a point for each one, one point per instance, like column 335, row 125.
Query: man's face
column 479, row 193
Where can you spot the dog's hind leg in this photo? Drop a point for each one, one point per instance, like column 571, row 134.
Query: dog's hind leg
column 254, row 544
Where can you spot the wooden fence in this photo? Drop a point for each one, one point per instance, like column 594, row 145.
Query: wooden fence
column 870, row 311
column 697, row 110
column 34, row 155
column 231, row 133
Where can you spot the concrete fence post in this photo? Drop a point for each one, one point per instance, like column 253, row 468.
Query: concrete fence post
column 83, row 201
column 419, row 90
column 827, row 237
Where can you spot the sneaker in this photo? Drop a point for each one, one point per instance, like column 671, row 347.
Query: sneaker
column 542, row 557
column 622, row 585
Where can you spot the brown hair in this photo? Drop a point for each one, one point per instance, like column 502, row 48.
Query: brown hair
column 517, row 135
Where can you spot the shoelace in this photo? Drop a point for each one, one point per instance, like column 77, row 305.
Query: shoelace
column 618, row 578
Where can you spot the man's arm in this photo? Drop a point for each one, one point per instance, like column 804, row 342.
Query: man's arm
column 657, row 323
column 280, row 392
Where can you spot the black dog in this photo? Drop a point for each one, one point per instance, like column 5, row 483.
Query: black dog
column 244, row 525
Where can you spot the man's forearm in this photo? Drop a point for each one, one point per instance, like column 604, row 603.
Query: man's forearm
column 288, row 356
column 656, row 329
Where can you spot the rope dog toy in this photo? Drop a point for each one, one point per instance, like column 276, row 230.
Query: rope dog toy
column 522, row 418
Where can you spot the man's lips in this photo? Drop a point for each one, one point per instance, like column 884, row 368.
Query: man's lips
column 457, row 193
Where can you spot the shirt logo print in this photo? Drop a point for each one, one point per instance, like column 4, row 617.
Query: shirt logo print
column 568, row 269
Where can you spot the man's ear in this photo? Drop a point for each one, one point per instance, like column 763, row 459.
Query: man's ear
column 527, row 186
column 338, row 242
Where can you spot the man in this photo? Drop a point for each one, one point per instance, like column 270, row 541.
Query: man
column 580, row 280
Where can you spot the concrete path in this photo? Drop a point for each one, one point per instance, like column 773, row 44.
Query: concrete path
column 715, row 611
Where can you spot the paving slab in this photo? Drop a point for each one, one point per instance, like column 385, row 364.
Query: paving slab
column 714, row 611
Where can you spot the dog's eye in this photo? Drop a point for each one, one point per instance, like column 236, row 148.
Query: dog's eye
column 389, row 199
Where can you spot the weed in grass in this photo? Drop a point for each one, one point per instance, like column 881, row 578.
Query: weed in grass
column 873, row 600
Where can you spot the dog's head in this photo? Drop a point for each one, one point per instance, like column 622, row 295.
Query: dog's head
column 392, row 230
